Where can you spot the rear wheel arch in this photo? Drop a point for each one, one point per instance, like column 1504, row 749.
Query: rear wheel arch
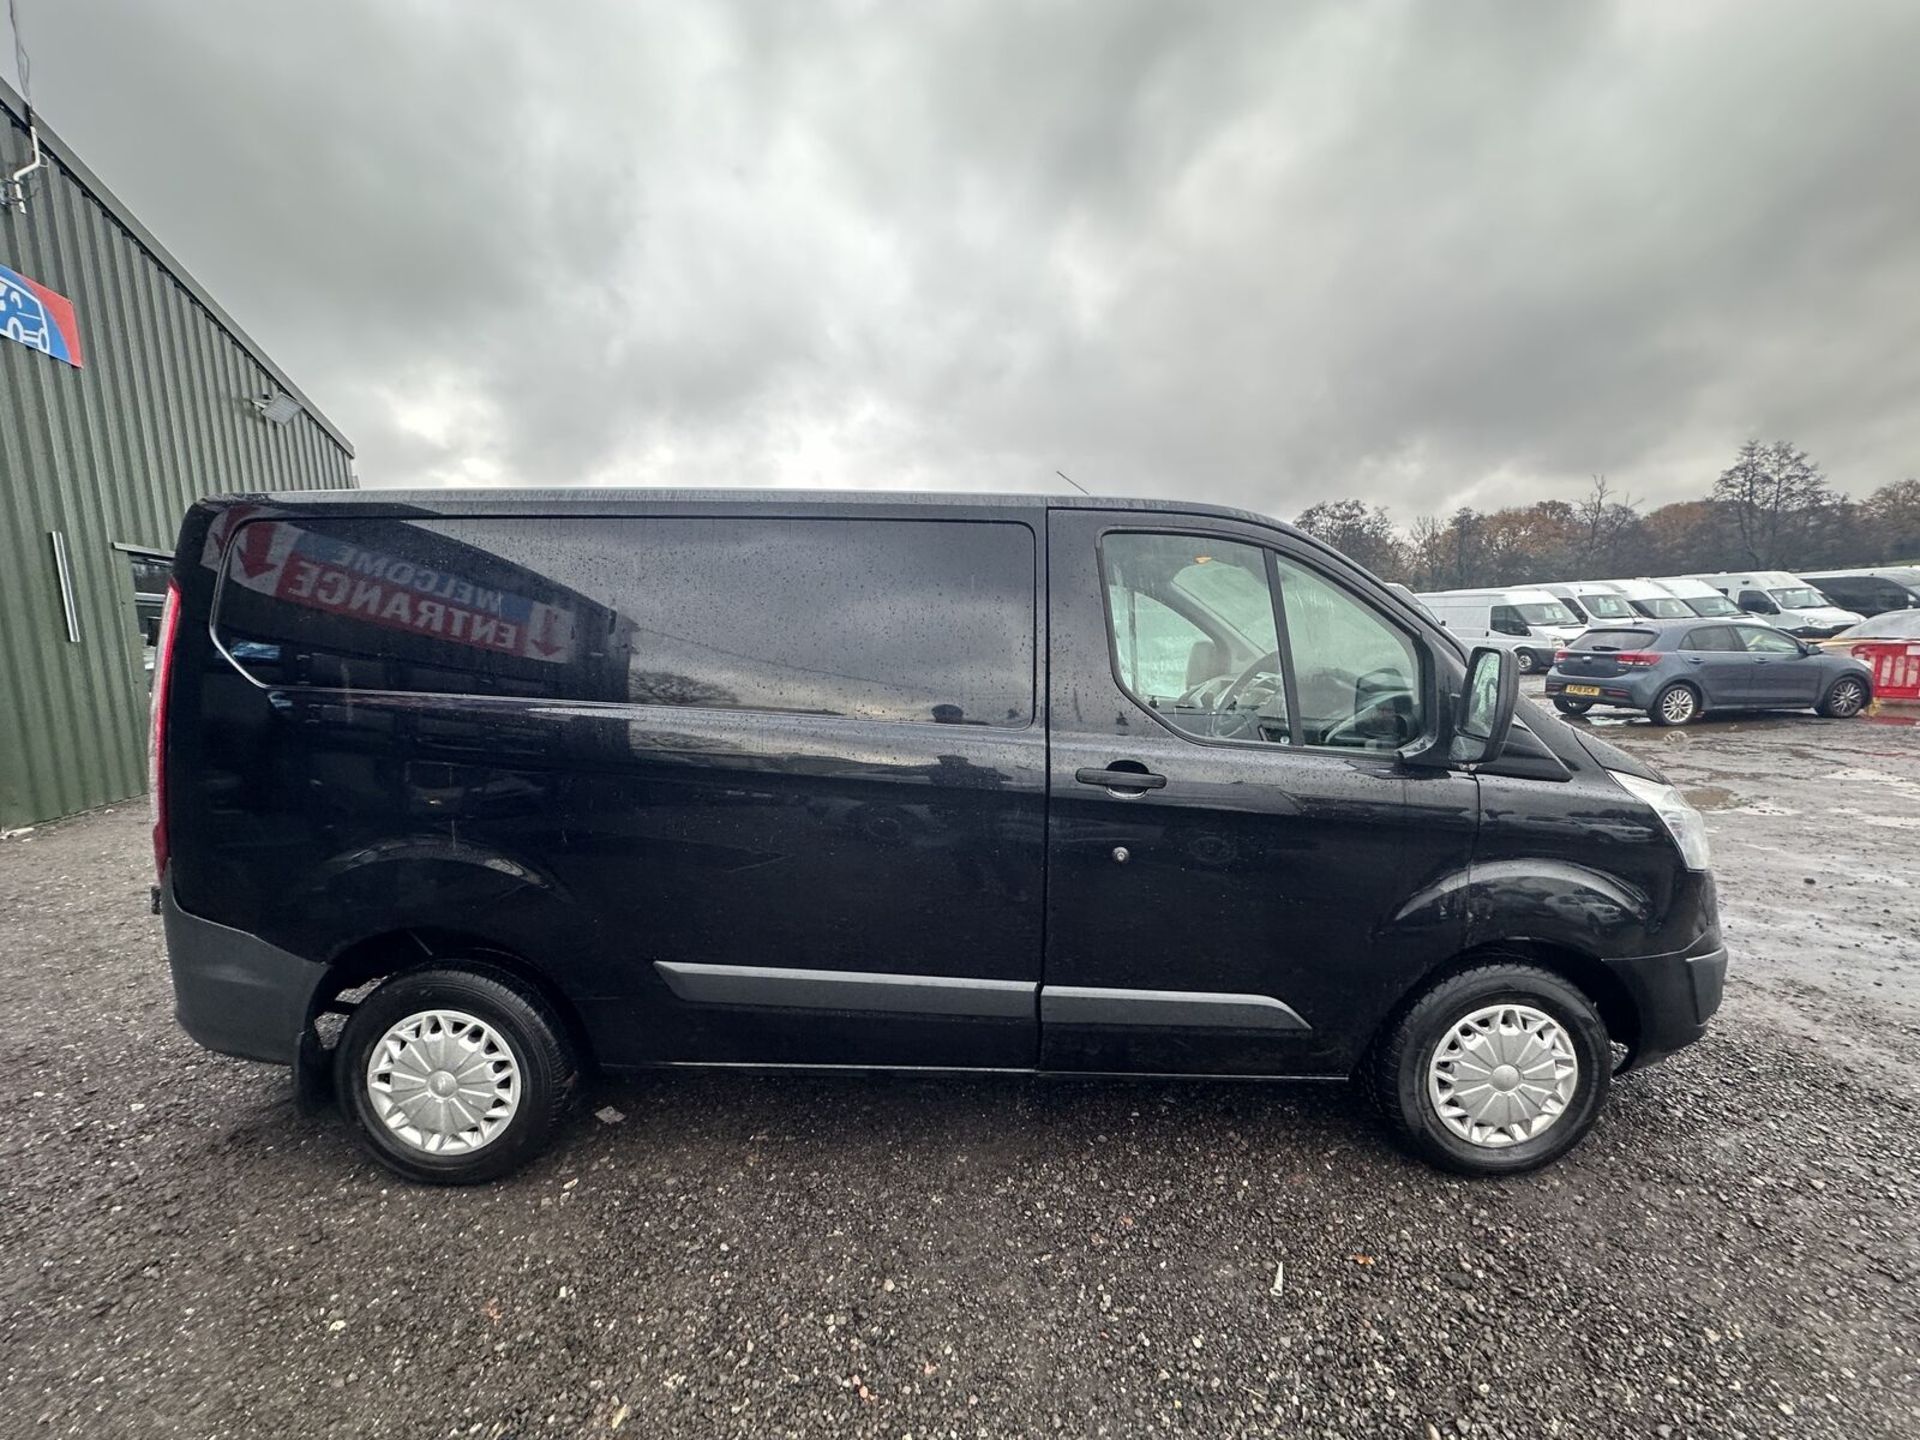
column 380, row 957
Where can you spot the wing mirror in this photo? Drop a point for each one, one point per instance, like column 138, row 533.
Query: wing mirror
column 1483, row 712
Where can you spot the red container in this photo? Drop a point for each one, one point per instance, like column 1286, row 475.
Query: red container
column 1896, row 667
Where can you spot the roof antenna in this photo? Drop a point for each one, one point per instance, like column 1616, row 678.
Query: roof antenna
column 1075, row 483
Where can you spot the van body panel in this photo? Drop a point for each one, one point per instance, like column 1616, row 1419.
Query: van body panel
column 1870, row 592
column 603, row 836
column 701, row 879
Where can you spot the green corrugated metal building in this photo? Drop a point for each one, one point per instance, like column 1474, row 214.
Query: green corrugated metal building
column 98, row 462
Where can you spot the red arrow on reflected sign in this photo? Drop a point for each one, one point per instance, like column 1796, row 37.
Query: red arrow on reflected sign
column 256, row 550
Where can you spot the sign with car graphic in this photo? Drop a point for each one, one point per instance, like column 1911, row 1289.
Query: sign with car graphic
column 38, row 318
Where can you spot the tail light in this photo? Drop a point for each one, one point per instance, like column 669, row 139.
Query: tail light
column 157, row 728
column 1638, row 659
column 1560, row 655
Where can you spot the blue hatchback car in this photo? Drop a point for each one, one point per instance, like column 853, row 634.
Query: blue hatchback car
column 1678, row 670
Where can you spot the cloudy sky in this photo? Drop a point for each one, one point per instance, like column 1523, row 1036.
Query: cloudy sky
column 1427, row 254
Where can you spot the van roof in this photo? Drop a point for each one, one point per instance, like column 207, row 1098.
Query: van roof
column 1489, row 592
column 608, row 499
column 1904, row 573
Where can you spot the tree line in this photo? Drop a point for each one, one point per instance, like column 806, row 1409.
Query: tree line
column 1772, row 509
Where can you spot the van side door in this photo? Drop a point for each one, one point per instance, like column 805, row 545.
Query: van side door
column 1243, row 875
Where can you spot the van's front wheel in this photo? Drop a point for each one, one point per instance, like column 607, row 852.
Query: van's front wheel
column 1493, row 1071
column 454, row 1077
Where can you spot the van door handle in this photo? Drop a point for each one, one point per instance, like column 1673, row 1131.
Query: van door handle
column 1115, row 779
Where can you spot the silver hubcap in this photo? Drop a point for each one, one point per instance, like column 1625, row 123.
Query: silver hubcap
column 1503, row 1075
column 1847, row 697
column 444, row 1082
column 1677, row 705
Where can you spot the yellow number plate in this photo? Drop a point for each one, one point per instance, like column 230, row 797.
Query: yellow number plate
column 1583, row 689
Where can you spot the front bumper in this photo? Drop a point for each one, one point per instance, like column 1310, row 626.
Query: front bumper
column 232, row 991
column 1674, row 995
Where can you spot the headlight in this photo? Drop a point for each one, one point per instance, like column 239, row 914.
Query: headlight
column 1683, row 822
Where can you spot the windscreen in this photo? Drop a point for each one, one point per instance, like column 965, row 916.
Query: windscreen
column 1547, row 613
column 1894, row 625
column 1662, row 607
column 1607, row 607
column 1800, row 597
column 1614, row 640
column 1712, row 604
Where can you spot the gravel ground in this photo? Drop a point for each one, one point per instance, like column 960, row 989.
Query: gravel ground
column 1735, row 1251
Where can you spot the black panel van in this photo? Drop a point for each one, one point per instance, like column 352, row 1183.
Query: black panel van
column 462, row 795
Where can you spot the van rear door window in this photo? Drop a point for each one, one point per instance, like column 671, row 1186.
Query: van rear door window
column 916, row 620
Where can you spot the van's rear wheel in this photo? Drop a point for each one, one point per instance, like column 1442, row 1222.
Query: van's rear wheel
column 1493, row 1071
column 1571, row 707
column 454, row 1076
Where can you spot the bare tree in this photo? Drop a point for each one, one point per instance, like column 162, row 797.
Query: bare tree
column 1606, row 519
column 1775, row 498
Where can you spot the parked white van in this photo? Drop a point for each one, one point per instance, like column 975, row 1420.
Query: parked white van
column 1700, row 597
column 1655, row 602
column 1785, row 599
column 1529, row 621
column 1592, row 600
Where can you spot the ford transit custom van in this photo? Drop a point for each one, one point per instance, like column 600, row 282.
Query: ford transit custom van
column 460, row 797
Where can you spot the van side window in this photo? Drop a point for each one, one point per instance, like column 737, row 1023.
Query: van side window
column 1356, row 677
column 900, row 620
column 1506, row 620
column 1190, row 621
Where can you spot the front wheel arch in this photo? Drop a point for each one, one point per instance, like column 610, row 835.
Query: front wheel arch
column 1585, row 973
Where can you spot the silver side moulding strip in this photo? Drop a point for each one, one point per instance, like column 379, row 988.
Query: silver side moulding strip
column 776, row 987
column 870, row 990
column 1091, row 1005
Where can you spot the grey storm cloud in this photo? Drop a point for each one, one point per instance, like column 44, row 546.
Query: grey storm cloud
column 1427, row 254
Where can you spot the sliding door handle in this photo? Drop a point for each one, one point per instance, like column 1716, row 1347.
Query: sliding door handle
column 1134, row 777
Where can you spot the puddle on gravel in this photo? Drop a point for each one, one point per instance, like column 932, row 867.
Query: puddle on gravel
column 1711, row 797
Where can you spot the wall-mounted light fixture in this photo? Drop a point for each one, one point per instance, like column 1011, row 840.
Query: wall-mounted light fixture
column 276, row 407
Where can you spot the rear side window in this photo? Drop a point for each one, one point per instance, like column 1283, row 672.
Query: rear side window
column 901, row 620
column 1614, row 640
column 1712, row 637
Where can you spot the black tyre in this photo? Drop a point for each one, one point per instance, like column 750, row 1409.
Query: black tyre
column 1678, row 704
column 1524, row 662
column 1571, row 707
column 1845, row 698
column 1493, row 1071
column 454, row 1076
